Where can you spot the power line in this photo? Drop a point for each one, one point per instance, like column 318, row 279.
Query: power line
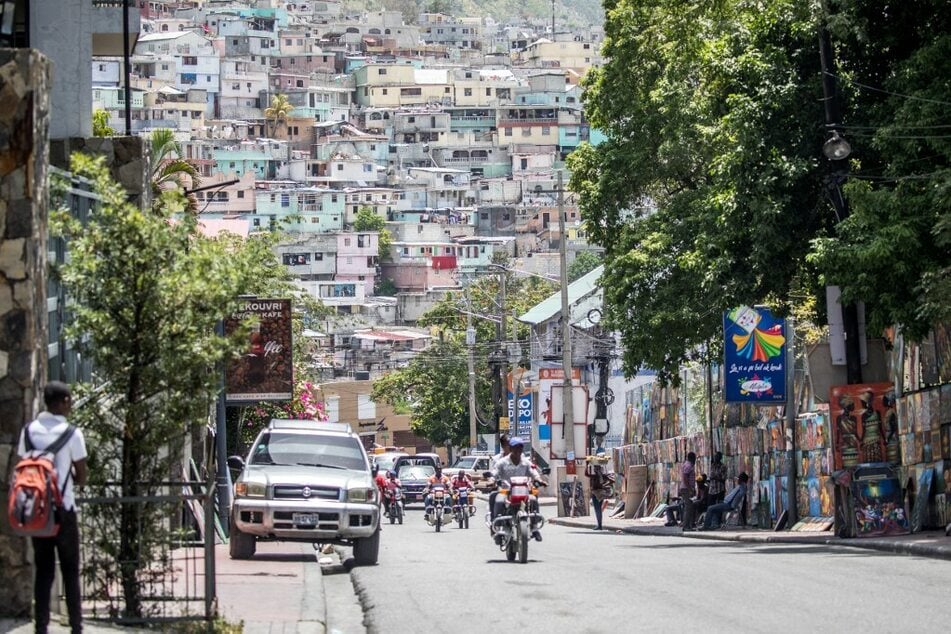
column 888, row 92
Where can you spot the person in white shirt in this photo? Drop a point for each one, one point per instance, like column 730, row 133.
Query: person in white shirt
column 70, row 464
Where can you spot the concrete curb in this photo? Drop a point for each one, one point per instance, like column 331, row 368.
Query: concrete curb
column 897, row 547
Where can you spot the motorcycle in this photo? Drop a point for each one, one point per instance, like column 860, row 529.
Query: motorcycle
column 463, row 507
column 517, row 520
column 394, row 504
column 437, row 506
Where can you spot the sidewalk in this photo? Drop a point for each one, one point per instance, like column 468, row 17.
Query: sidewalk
column 280, row 591
column 932, row 544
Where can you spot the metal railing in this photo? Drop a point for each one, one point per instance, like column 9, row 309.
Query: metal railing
column 66, row 362
column 172, row 561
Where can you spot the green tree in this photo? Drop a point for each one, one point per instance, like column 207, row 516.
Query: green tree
column 584, row 263
column 385, row 287
column 146, row 294
column 278, row 111
column 100, row 124
column 166, row 164
column 369, row 220
column 710, row 190
column 435, row 387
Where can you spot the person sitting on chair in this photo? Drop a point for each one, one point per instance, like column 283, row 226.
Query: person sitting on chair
column 700, row 502
column 734, row 501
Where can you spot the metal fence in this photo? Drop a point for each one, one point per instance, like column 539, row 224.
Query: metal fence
column 66, row 362
column 171, row 561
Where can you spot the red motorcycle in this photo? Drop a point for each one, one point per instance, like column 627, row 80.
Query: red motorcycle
column 393, row 499
column 519, row 518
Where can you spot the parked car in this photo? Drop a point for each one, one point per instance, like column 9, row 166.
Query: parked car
column 414, row 478
column 305, row 481
column 474, row 465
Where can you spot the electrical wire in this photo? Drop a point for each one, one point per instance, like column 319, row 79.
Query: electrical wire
column 888, row 92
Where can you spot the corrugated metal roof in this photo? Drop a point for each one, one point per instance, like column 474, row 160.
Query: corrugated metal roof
column 551, row 306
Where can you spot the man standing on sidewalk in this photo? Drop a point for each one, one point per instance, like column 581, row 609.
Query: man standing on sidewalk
column 70, row 464
column 688, row 489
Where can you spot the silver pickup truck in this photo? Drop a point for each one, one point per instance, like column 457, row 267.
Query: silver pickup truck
column 305, row 481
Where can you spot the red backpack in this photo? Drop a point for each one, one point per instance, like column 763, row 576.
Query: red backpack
column 35, row 493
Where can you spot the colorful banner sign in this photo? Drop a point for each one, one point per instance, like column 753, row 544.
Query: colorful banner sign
column 754, row 356
column 265, row 372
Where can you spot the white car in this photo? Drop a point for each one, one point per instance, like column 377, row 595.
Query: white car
column 474, row 465
column 306, row 481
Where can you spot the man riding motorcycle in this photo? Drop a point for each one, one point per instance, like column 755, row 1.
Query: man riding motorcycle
column 391, row 484
column 511, row 466
column 436, row 478
column 462, row 481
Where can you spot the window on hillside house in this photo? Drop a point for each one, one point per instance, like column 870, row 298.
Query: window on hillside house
column 467, row 92
column 380, row 71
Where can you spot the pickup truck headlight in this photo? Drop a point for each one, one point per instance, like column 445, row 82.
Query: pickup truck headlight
column 362, row 494
column 250, row 490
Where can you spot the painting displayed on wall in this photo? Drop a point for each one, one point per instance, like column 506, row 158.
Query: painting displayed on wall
column 572, row 498
column 878, row 503
column 919, row 514
column 859, row 414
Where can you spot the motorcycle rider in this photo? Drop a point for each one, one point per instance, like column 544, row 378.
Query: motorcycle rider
column 392, row 483
column 380, row 480
column 512, row 466
column 462, row 481
column 504, row 441
column 436, row 478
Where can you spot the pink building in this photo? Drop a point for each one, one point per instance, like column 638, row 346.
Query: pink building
column 357, row 258
column 419, row 276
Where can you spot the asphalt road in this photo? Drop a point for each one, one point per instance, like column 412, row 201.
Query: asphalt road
column 585, row 581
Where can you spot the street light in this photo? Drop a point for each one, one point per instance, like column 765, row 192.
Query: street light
column 836, row 148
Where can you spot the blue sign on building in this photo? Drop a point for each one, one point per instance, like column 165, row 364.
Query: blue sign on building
column 521, row 414
column 754, row 356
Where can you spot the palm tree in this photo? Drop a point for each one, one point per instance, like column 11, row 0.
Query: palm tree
column 278, row 110
column 166, row 166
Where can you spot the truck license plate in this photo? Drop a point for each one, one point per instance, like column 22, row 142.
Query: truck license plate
column 305, row 519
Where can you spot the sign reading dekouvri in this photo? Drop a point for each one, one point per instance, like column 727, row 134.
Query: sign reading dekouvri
column 265, row 370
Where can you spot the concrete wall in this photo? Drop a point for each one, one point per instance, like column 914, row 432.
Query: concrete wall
column 24, row 138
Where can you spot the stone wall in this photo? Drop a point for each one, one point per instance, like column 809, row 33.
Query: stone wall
column 127, row 158
column 24, row 146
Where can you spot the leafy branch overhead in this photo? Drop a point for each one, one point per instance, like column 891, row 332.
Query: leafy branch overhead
column 711, row 190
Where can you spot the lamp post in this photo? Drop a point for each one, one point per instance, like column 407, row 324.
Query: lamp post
column 837, row 150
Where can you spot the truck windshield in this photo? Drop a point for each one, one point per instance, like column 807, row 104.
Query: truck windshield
column 276, row 448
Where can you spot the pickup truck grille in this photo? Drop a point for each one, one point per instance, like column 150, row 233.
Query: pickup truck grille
column 284, row 520
column 297, row 492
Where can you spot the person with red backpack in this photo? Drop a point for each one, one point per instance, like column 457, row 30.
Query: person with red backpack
column 52, row 447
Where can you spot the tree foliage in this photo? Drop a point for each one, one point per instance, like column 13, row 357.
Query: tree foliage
column 584, row 263
column 100, row 124
column 146, row 293
column 278, row 111
column 435, row 384
column 369, row 220
column 711, row 190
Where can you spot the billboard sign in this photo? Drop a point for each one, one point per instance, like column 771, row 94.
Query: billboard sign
column 265, row 370
column 754, row 356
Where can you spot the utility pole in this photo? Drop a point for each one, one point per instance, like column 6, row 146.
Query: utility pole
column 552, row 20
column 839, row 173
column 791, row 487
column 470, row 362
column 567, row 400
column 710, row 399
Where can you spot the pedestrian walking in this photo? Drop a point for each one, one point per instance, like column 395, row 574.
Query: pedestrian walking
column 70, row 465
column 688, row 490
column 602, row 484
column 717, row 478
